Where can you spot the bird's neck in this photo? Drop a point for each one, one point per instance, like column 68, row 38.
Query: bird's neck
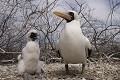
column 73, row 27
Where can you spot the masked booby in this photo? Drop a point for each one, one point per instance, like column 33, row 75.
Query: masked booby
column 74, row 47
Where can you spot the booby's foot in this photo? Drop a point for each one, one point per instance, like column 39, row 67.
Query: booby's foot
column 27, row 76
column 42, row 75
column 83, row 67
column 66, row 68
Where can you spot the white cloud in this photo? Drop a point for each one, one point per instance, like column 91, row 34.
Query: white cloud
column 101, row 8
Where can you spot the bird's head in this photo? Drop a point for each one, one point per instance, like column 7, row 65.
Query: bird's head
column 32, row 35
column 68, row 16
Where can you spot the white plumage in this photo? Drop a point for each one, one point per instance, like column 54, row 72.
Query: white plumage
column 73, row 44
column 31, row 56
column 29, row 60
column 21, row 67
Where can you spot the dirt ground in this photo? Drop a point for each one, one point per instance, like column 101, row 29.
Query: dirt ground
column 56, row 71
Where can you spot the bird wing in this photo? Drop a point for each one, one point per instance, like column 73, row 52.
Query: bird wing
column 88, row 48
column 19, row 57
column 23, row 52
column 58, row 48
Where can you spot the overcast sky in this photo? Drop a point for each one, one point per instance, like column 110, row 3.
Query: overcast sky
column 101, row 8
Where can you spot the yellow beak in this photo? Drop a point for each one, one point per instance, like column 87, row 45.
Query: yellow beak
column 63, row 15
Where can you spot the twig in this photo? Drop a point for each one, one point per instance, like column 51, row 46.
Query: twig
column 10, row 52
column 2, row 50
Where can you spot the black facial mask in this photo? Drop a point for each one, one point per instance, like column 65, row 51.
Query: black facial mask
column 33, row 36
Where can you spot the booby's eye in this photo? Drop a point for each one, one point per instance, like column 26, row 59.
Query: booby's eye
column 71, row 13
column 72, row 16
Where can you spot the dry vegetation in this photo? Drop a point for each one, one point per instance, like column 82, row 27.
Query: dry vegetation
column 96, row 69
column 17, row 17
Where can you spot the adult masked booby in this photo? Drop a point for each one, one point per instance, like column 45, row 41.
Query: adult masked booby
column 74, row 47
column 29, row 61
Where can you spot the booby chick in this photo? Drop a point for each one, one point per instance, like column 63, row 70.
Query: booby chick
column 74, row 47
column 28, row 61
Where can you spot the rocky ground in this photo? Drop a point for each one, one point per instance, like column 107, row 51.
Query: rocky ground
column 97, row 70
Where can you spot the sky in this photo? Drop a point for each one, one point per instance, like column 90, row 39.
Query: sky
column 100, row 8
